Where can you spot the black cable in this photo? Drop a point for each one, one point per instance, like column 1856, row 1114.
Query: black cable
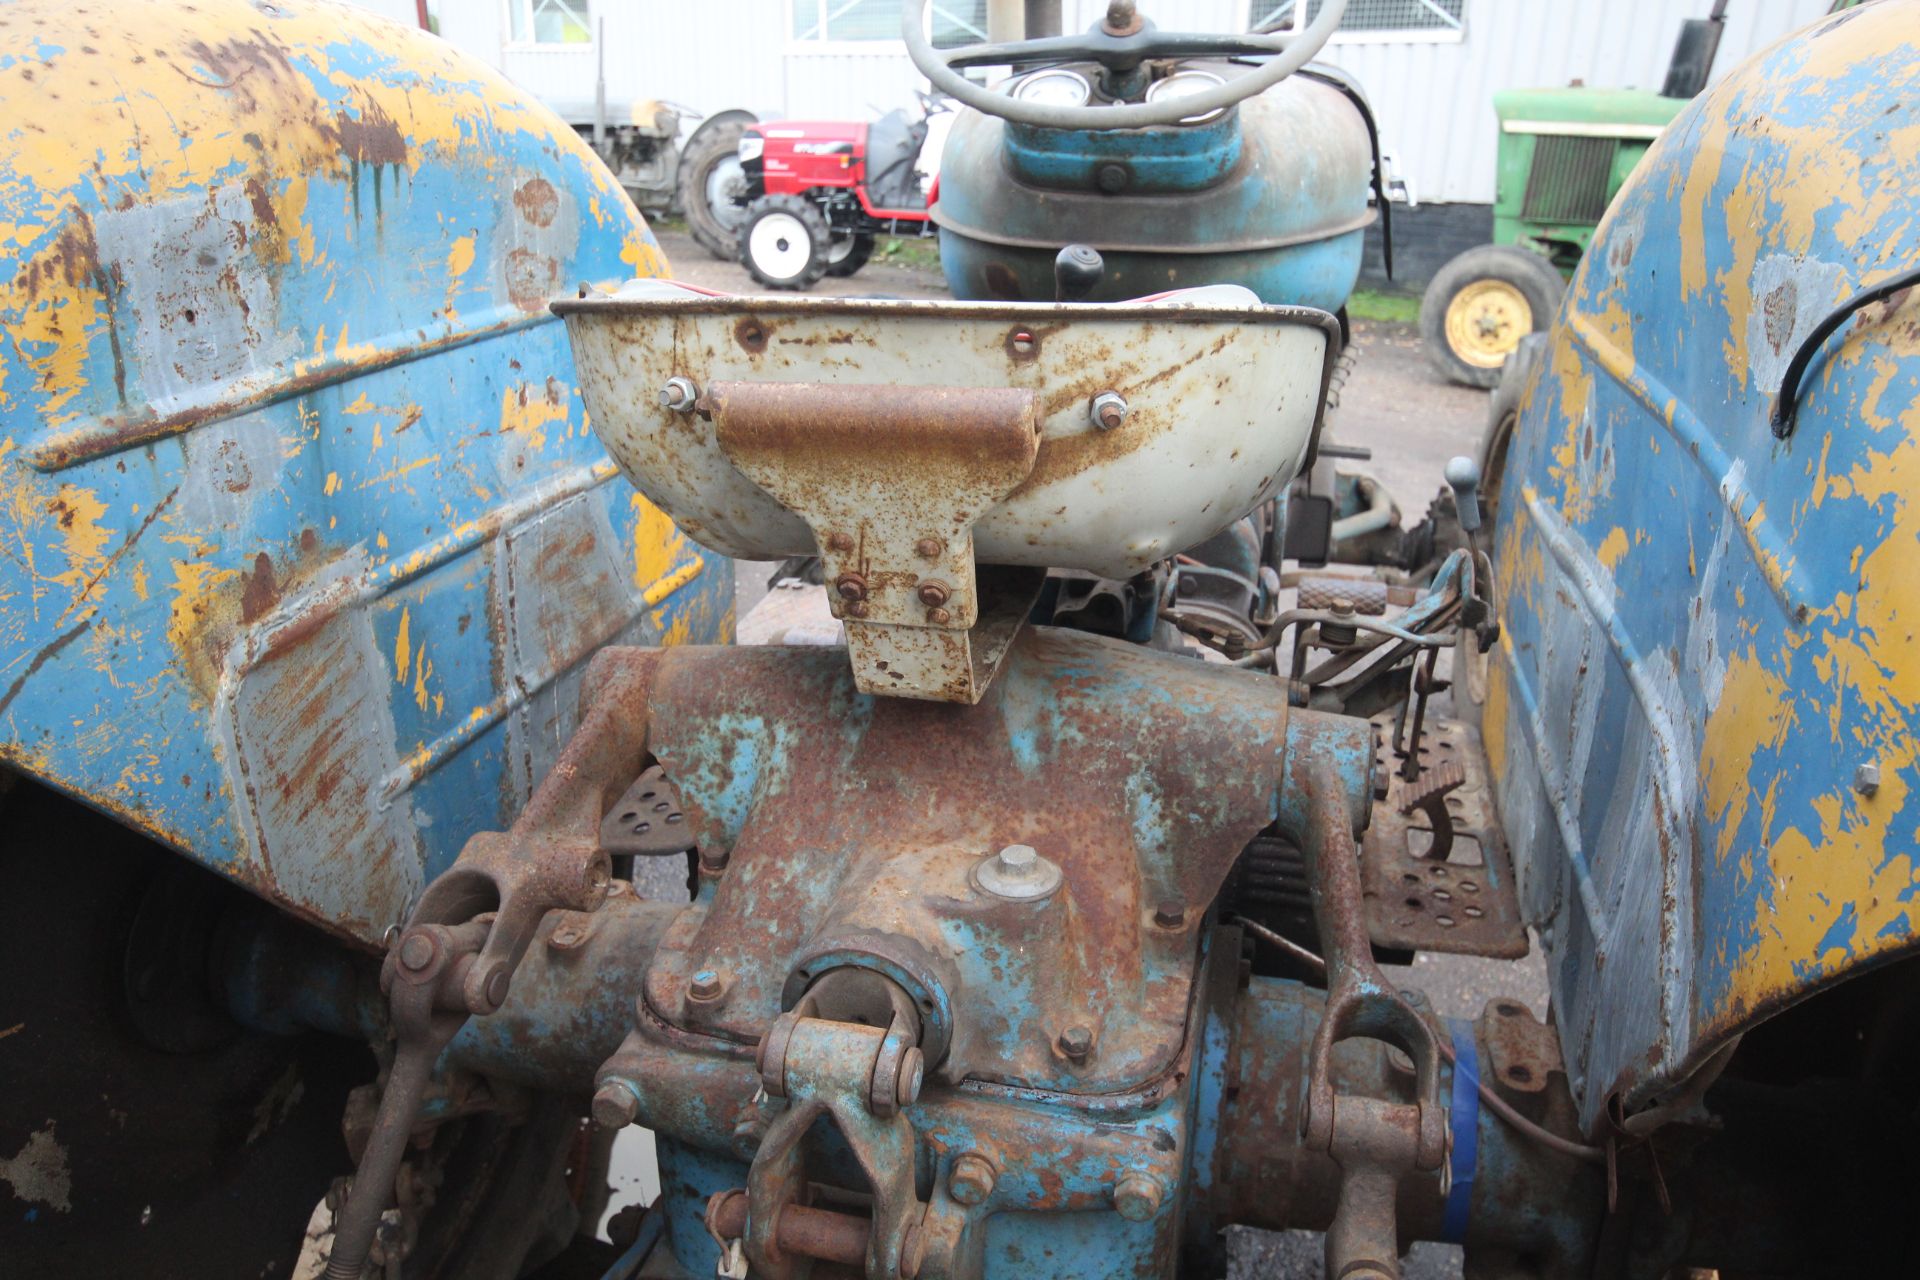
column 1787, row 404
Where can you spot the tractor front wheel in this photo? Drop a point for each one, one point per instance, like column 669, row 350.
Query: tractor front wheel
column 848, row 253
column 1480, row 305
column 785, row 242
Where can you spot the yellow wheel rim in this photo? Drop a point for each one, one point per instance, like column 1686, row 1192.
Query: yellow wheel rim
column 1485, row 322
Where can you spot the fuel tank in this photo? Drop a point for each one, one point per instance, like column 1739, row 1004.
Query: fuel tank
column 1271, row 194
column 305, row 534
column 1702, row 708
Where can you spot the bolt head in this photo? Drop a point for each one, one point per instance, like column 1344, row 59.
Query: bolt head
column 839, row 542
column 1019, row 857
column 1866, row 778
column 498, row 983
column 1171, row 914
column 1076, row 1042
column 416, row 953
column 972, row 1178
column 706, row 986
column 928, row 548
column 615, row 1105
column 913, row 1072
column 939, row 617
column 933, row 594
column 851, row 586
column 714, row 861
column 1138, row 1197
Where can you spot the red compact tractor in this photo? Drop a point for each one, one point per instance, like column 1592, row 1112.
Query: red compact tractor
column 818, row 192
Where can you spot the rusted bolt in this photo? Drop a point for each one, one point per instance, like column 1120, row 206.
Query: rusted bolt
column 913, row 1072
column 706, row 987
column 1018, row 872
column 498, row 984
column 1866, row 778
column 416, row 953
column 615, row 1105
column 1108, row 410
column 1138, row 1197
column 713, row 861
column 933, row 593
column 939, row 617
column 1171, row 914
column 1340, row 633
column 972, row 1178
column 839, row 542
column 913, row 1251
column 851, row 586
column 1076, row 1043
column 929, row 548
column 678, row 395
column 856, row 608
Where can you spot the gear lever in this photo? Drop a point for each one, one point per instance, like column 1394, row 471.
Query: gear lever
column 1077, row 270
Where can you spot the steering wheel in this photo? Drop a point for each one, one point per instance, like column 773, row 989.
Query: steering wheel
column 1121, row 42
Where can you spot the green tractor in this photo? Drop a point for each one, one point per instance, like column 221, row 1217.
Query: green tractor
column 1563, row 154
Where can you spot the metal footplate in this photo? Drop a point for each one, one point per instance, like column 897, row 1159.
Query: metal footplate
column 1434, row 864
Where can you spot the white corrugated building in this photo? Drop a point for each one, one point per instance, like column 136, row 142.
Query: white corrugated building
column 1430, row 66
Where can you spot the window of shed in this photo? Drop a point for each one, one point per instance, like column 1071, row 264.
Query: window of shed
column 953, row 22
column 550, row 21
column 1412, row 19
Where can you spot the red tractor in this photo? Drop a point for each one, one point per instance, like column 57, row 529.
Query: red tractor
column 819, row 192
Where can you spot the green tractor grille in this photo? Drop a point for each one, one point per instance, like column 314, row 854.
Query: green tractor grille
column 1569, row 178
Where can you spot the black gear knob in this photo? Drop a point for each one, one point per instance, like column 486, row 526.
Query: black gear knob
column 1076, row 272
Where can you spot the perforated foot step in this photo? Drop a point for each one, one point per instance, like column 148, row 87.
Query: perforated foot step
column 1463, row 902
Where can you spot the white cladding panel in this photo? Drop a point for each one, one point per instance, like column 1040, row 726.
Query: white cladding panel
column 1433, row 97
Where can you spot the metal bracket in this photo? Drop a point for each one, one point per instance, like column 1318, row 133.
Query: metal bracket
column 891, row 481
column 828, row 1069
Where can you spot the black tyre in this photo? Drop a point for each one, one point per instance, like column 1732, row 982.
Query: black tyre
column 1480, row 305
column 1503, row 415
column 710, row 178
column 848, row 253
column 784, row 242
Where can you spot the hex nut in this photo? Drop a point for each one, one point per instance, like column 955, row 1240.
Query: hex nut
column 1170, row 914
column 1866, row 778
column 1138, row 1197
column 1108, row 410
column 678, row 395
column 615, row 1105
column 1076, row 1043
column 971, row 1179
column 706, row 987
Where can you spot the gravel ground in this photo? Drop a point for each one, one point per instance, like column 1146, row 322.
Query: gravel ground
column 1394, row 403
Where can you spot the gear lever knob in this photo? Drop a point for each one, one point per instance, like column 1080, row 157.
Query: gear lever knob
column 1463, row 477
column 1076, row 272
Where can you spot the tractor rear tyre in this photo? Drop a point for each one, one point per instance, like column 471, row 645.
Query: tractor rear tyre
column 710, row 177
column 848, row 253
column 785, row 242
column 1480, row 305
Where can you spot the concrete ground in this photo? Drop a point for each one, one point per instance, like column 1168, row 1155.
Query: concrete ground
column 1413, row 420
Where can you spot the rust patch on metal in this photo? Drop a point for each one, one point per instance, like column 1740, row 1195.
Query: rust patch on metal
column 751, row 334
column 537, row 201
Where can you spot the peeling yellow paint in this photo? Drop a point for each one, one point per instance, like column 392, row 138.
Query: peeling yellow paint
column 402, row 649
column 1613, row 549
